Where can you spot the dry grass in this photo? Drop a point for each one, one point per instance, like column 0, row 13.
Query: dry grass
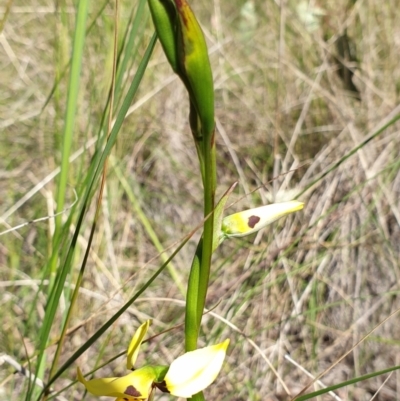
column 311, row 286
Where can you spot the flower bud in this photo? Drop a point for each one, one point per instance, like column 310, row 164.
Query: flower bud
column 164, row 17
column 249, row 221
column 195, row 65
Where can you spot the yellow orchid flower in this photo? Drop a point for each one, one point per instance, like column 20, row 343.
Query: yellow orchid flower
column 187, row 375
column 249, row 221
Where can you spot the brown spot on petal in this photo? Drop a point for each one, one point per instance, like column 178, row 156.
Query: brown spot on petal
column 130, row 390
column 162, row 386
column 253, row 220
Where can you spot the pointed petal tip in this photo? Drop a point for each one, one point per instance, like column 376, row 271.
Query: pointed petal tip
column 296, row 206
column 134, row 345
column 79, row 375
column 224, row 345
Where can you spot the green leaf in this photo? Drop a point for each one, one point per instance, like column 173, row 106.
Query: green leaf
column 344, row 384
column 164, row 17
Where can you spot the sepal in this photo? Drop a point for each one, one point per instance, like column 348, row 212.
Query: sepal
column 194, row 371
column 249, row 221
column 134, row 386
column 135, row 343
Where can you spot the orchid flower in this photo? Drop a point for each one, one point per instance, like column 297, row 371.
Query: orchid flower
column 252, row 220
column 187, row 375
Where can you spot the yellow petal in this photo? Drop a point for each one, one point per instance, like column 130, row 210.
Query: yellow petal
column 134, row 386
column 136, row 341
column 195, row 370
column 252, row 220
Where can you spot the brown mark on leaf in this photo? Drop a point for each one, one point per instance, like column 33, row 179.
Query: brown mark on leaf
column 253, row 220
column 213, row 138
column 130, row 390
column 180, row 6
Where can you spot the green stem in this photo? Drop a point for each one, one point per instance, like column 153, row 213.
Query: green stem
column 191, row 319
column 200, row 270
column 195, row 127
column 209, row 199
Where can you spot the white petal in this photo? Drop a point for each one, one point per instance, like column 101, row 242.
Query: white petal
column 195, row 370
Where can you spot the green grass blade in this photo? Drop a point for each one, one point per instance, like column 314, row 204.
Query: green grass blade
column 130, row 49
column 70, row 115
column 98, row 163
column 344, row 384
column 72, row 102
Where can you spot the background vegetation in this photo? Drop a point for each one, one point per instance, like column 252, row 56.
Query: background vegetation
column 299, row 86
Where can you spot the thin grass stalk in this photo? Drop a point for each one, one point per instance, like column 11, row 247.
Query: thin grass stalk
column 129, row 52
column 328, row 389
column 98, row 208
column 72, row 101
column 61, row 75
column 95, row 171
column 70, row 114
